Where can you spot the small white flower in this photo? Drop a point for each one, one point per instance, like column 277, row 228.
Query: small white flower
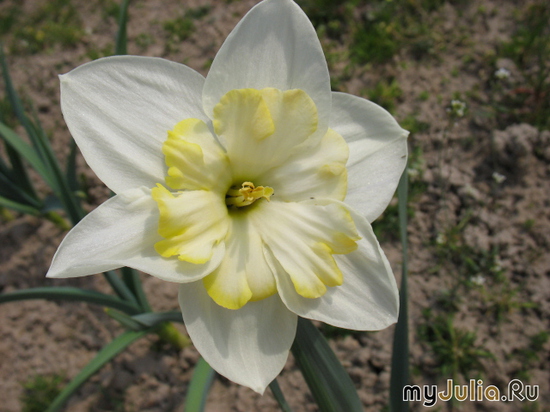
column 478, row 280
column 457, row 109
column 499, row 178
column 441, row 239
column 502, row 73
column 413, row 173
column 233, row 187
column 498, row 265
column 470, row 191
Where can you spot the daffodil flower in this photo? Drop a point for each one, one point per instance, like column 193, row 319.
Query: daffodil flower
column 233, row 186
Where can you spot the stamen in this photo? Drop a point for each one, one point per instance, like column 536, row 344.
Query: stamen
column 247, row 194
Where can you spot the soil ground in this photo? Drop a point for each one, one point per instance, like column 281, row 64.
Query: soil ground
column 479, row 218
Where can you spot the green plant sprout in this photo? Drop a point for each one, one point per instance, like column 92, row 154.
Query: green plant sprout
column 502, row 300
column 455, row 350
column 529, row 48
column 531, row 354
column 182, row 27
column 40, row 391
column 56, row 22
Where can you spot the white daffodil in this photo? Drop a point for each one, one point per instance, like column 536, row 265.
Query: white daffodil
column 233, row 187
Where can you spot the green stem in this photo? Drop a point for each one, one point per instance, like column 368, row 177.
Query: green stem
column 120, row 287
column 58, row 220
column 279, row 397
column 400, row 356
column 133, row 282
column 168, row 333
column 70, row 294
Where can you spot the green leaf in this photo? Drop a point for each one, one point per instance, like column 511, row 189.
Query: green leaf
column 15, row 101
column 19, row 111
column 145, row 320
column 70, row 170
column 4, row 168
column 200, row 384
column 60, row 185
column 70, row 294
column 125, row 320
column 121, row 39
column 328, row 381
column 279, row 397
column 120, row 287
column 10, row 190
column 132, row 281
column 26, row 151
column 155, row 318
column 20, row 207
column 43, row 149
column 400, row 354
column 104, row 355
column 18, row 172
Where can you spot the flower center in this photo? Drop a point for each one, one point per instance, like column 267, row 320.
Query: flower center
column 247, row 194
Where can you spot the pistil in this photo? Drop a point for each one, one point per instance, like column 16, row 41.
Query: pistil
column 247, row 194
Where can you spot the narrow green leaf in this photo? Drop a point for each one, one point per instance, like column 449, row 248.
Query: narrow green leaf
column 161, row 320
column 156, row 318
column 25, row 150
column 15, row 183
column 200, row 384
column 145, row 320
column 4, row 168
column 279, row 397
column 132, row 281
column 17, row 107
column 120, row 287
column 60, row 186
column 20, row 207
column 15, row 101
column 70, row 294
column 10, row 190
column 18, row 172
column 125, row 320
column 328, row 381
column 104, row 355
column 43, row 149
column 121, row 37
column 70, row 171
column 400, row 356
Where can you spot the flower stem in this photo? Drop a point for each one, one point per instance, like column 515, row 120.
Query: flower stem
column 58, row 220
column 168, row 333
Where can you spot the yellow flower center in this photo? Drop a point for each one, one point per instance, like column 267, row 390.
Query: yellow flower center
column 211, row 203
column 247, row 194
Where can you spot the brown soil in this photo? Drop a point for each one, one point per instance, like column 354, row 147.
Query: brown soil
column 454, row 186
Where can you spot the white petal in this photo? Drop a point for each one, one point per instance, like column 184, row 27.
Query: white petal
column 192, row 223
column 378, row 152
column 122, row 232
column 244, row 273
column 367, row 300
column 248, row 346
column 303, row 238
column 195, row 160
column 119, row 110
column 312, row 172
column 260, row 128
column 274, row 45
